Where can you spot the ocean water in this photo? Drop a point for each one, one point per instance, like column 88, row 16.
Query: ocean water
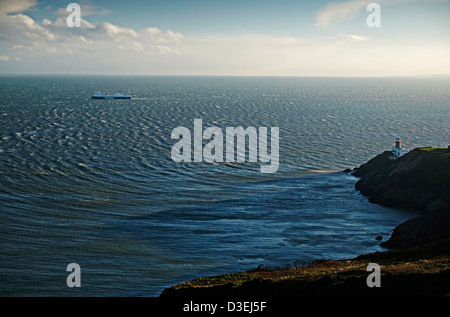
column 93, row 182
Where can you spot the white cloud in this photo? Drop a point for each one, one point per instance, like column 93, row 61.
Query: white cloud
column 339, row 11
column 15, row 6
column 256, row 54
column 137, row 47
column 352, row 38
column 162, row 37
column 61, row 22
column 116, row 32
column 19, row 29
column 24, row 39
column 22, row 19
column 86, row 10
column 51, row 46
column 166, row 49
column 84, row 40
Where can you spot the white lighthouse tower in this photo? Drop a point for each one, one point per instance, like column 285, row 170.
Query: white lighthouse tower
column 397, row 149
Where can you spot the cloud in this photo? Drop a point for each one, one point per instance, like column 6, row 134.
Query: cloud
column 23, row 38
column 28, row 45
column 20, row 29
column 86, row 10
column 94, row 47
column 339, row 11
column 61, row 23
column 115, row 32
column 137, row 47
column 84, row 40
column 162, row 37
column 259, row 54
column 15, row 6
column 352, row 38
column 166, row 49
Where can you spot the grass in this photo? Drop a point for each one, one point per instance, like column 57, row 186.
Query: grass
column 423, row 268
column 428, row 149
column 342, row 268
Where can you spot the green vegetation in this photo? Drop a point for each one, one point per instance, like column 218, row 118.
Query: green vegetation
column 428, row 149
column 418, row 271
column 339, row 270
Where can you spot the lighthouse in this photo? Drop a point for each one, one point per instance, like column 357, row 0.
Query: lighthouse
column 398, row 143
column 397, row 149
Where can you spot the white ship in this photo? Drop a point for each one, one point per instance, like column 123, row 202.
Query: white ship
column 117, row 95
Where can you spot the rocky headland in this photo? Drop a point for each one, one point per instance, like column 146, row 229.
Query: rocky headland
column 417, row 257
column 419, row 180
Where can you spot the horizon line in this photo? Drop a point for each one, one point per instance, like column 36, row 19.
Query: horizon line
column 224, row 75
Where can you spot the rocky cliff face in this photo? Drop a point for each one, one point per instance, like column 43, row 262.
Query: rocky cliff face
column 419, row 180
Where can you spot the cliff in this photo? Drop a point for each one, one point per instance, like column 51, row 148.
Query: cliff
column 420, row 180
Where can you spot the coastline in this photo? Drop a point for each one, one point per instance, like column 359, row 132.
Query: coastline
column 418, row 180
column 417, row 259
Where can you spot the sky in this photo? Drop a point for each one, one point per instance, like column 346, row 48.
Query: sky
column 226, row 38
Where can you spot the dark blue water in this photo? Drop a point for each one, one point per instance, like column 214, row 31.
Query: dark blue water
column 93, row 182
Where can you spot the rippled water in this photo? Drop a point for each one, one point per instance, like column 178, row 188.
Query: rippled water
column 93, row 182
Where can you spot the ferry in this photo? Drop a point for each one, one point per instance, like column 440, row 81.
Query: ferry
column 117, row 95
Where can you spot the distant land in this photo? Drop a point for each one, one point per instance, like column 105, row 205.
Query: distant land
column 436, row 75
column 416, row 263
column 420, row 76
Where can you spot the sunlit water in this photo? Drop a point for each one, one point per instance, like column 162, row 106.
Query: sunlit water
column 93, row 181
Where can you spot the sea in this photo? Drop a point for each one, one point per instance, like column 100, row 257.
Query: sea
column 93, row 182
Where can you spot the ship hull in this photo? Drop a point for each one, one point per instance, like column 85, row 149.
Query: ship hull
column 94, row 97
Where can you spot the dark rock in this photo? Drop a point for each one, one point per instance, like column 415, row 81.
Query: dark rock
column 429, row 227
column 417, row 180
column 379, row 238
